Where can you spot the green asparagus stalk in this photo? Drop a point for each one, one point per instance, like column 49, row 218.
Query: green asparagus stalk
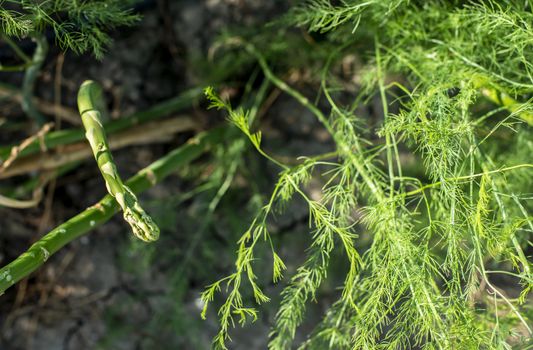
column 91, row 106
column 102, row 211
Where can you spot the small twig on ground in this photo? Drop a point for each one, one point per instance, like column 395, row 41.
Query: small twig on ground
column 49, row 200
column 61, row 112
column 272, row 97
column 57, row 88
column 15, row 151
column 22, row 204
column 37, row 194
column 156, row 132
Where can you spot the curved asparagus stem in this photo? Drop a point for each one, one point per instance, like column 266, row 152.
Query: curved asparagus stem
column 91, row 107
column 28, row 85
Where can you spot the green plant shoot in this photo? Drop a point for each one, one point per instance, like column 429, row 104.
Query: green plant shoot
column 92, row 107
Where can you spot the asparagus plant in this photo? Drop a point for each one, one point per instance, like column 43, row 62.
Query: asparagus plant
column 92, row 107
column 434, row 244
column 103, row 210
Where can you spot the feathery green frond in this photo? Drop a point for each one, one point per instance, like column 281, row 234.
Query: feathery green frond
column 455, row 83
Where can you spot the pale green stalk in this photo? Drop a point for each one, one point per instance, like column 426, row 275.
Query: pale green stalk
column 91, row 106
column 506, row 101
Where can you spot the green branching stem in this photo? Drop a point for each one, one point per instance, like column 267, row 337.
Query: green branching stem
column 102, row 211
column 92, row 107
column 304, row 101
column 326, row 224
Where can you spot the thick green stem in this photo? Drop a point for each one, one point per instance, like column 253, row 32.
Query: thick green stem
column 102, row 211
column 91, row 106
column 30, row 77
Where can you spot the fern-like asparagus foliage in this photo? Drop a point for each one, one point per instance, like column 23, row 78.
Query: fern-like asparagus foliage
column 459, row 75
column 80, row 26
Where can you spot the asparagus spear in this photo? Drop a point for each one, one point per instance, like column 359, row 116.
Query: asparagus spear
column 92, row 108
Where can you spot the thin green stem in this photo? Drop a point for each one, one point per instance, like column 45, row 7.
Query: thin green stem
column 30, row 77
column 17, row 68
column 466, row 177
column 286, row 88
column 389, row 137
column 16, row 49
